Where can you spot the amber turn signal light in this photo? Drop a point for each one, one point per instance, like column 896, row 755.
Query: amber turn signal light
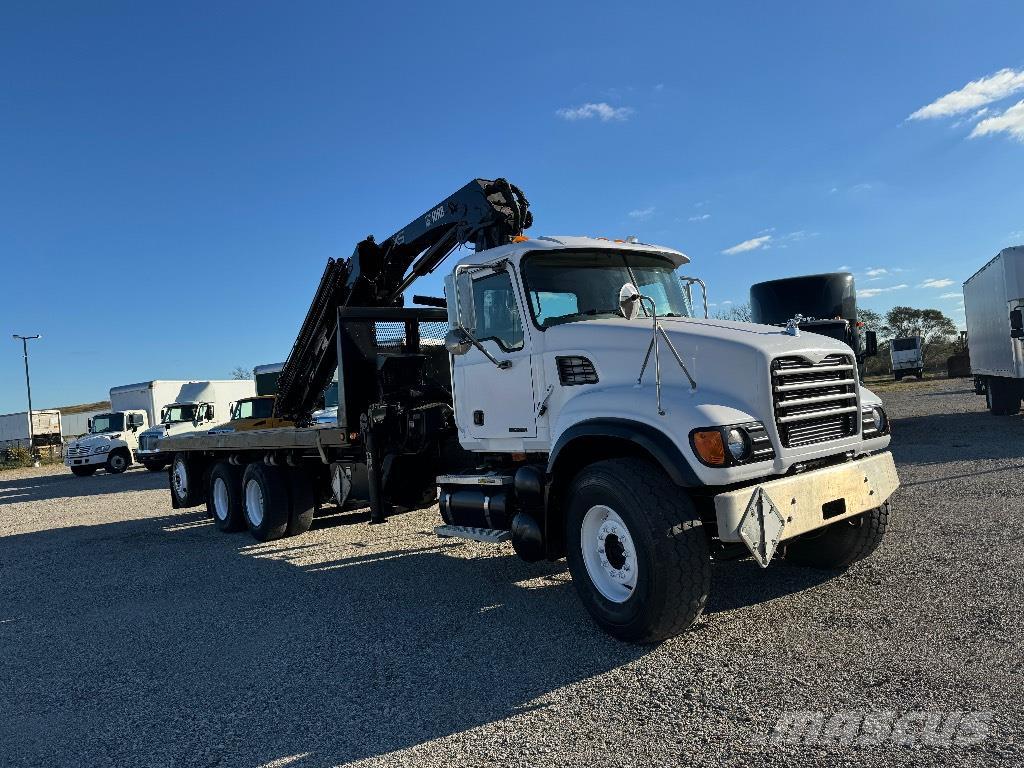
column 709, row 446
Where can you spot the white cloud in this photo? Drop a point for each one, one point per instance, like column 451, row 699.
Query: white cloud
column 642, row 214
column 867, row 293
column 975, row 94
column 701, row 217
column 844, row 268
column 863, row 187
column 727, row 301
column 601, row 110
column 1010, row 122
column 932, row 282
column 749, row 245
column 952, row 296
column 876, row 271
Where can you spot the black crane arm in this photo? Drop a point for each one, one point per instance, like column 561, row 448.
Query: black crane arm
column 483, row 213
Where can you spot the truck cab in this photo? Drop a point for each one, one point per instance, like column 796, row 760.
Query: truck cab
column 907, row 357
column 175, row 418
column 252, row 413
column 110, row 443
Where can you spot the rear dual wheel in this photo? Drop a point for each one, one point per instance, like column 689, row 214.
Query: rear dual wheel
column 277, row 501
column 224, row 498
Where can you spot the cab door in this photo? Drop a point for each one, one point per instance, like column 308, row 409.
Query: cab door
column 496, row 403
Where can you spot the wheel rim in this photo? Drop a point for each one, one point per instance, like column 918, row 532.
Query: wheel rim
column 608, row 553
column 220, row 498
column 254, row 503
column 117, row 461
column 180, row 479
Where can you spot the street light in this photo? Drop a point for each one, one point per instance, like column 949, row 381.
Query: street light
column 28, row 385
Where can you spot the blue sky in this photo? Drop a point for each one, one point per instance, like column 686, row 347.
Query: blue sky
column 174, row 176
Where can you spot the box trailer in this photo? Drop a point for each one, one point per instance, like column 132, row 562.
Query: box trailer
column 994, row 306
column 46, row 428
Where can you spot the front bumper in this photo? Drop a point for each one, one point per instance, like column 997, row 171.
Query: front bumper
column 807, row 501
column 82, row 461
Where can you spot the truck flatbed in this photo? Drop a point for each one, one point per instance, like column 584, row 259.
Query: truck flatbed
column 281, row 438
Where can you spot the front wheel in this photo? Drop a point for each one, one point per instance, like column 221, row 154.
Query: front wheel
column 841, row 544
column 84, row 470
column 637, row 550
column 117, row 462
column 154, row 466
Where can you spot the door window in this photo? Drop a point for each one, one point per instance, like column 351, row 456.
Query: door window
column 497, row 314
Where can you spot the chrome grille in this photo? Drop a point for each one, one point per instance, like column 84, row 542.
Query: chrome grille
column 148, row 442
column 814, row 402
column 78, row 452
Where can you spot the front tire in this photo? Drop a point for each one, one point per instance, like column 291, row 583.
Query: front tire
column 85, row 470
column 154, row 466
column 841, row 544
column 1002, row 396
column 117, row 462
column 188, row 488
column 637, row 550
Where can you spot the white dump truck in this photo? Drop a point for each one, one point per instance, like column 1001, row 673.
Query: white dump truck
column 197, row 405
column 907, row 357
column 577, row 408
column 994, row 307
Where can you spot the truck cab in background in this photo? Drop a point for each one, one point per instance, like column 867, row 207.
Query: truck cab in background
column 199, row 406
column 109, row 444
column 907, row 357
column 252, row 413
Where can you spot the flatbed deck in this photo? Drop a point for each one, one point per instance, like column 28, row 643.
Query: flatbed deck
column 280, row 438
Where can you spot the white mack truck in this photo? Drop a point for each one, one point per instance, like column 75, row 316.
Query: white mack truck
column 577, row 408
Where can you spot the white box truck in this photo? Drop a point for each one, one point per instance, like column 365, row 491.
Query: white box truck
column 115, row 438
column 46, row 428
column 994, row 304
column 197, row 405
column 907, row 356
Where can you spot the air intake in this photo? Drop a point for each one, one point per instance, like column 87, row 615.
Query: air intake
column 573, row 371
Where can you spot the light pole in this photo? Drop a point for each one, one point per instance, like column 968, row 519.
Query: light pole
column 28, row 386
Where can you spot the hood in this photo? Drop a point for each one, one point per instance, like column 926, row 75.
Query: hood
column 88, row 440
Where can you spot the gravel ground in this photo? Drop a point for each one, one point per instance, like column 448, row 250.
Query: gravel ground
column 132, row 634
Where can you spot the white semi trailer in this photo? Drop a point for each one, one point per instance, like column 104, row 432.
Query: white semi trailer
column 16, row 431
column 578, row 408
column 994, row 307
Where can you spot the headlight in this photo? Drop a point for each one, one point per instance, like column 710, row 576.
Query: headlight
column 732, row 444
column 875, row 422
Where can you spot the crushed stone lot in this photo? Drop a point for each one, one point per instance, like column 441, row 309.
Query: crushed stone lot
column 134, row 634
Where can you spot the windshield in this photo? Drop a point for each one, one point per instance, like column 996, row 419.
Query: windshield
column 174, row 414
column 904, row 345
column 107, row 422
column 260, row 408
column 566, row 287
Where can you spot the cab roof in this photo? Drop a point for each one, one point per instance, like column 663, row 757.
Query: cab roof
column 569, row 242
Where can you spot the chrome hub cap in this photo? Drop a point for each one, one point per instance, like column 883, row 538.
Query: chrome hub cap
column 220, row 499
column 608, row 553
column 254, row 503
column 180, row 478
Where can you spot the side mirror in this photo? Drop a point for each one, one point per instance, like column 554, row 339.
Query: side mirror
column 163, row 415
column 209, row 413
column 464, row 301
column 457, row 342
column 1017, row 324
column 629, row 301
column 88, row 424
column 870, row 343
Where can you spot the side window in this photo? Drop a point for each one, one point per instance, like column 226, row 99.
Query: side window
column 497, row 315
column 244, row 409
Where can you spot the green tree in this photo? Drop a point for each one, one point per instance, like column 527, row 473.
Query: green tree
column 930, row 324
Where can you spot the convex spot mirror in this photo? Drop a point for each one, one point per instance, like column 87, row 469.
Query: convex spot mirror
column 629, row 301
column 457, row 342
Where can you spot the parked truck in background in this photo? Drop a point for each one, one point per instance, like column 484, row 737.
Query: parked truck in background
column 994, row 308
column 907, row 357
column 576, row 409
column 825, row 304
column 197, row 405
column 45, row 429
